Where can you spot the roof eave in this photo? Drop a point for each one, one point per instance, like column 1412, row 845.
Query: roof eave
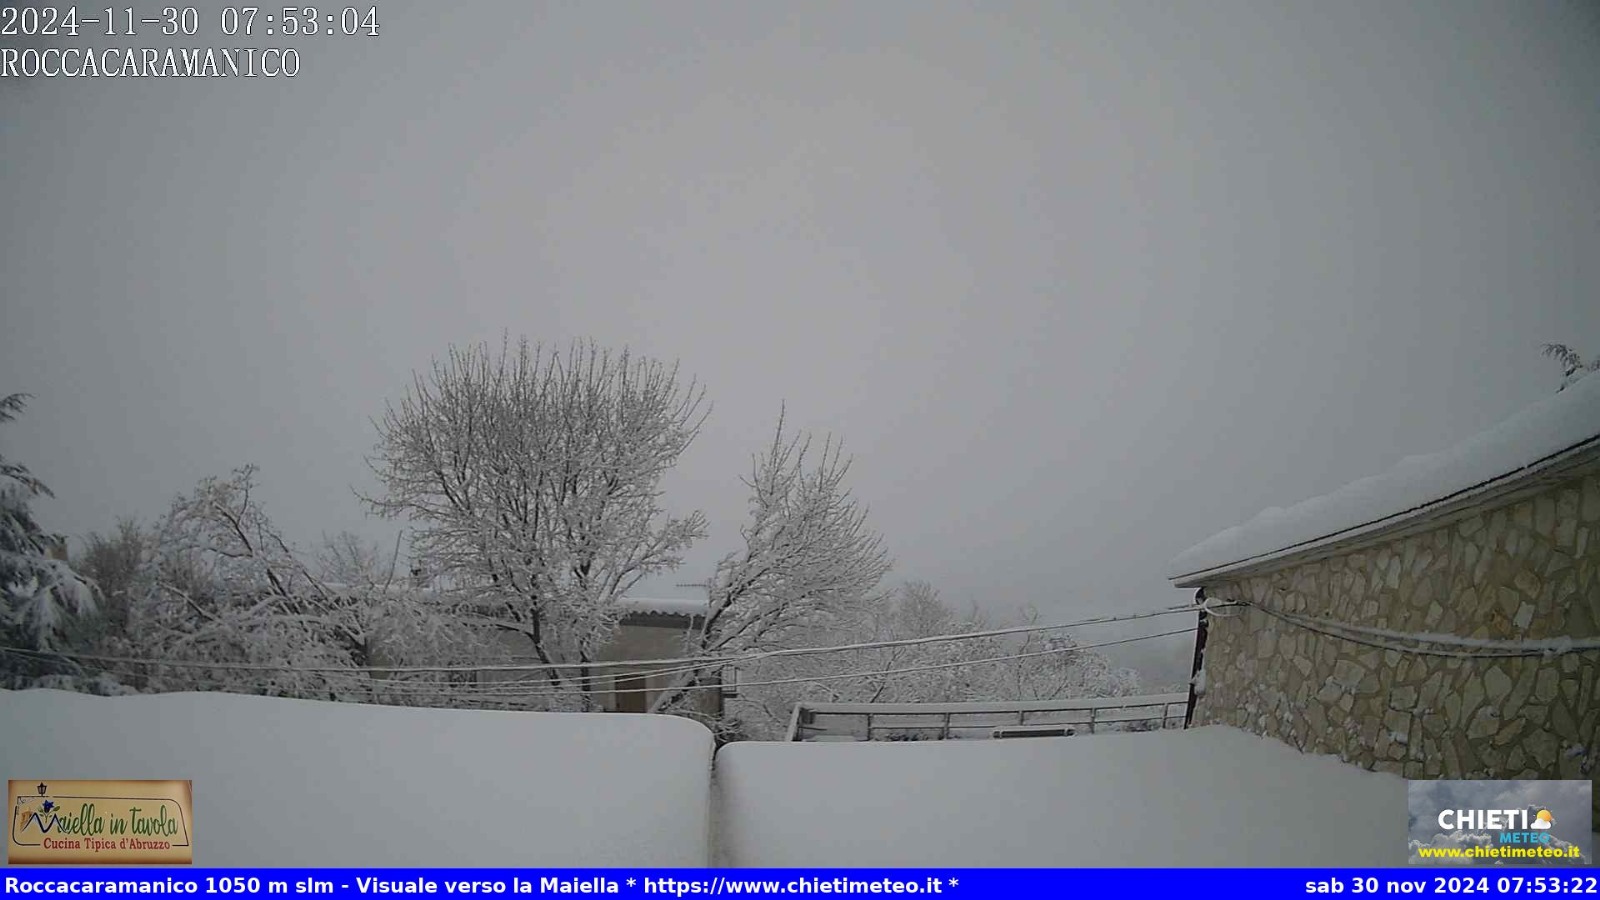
column 1576, row 460
column 654, row 619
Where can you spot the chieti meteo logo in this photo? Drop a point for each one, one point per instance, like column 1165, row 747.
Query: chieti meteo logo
column 1500, row 822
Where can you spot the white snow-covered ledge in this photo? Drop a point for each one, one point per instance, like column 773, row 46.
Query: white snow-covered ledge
column 1552, row 438
column 309, row 783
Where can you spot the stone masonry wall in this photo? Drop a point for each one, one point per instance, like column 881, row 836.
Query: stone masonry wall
column 1526, row 570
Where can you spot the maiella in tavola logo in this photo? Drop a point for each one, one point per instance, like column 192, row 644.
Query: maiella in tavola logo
column 100, row 822
column 1525, row 823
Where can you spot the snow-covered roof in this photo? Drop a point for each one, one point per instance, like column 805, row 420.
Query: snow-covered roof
column 1554, row 431
column 663, row 606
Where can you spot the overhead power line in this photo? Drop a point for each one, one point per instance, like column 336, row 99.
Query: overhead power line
column 689, row 663
column 877, row 673
column 508, row 690
column 1407, row 642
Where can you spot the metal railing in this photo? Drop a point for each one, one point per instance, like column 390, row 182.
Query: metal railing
column 984, row 719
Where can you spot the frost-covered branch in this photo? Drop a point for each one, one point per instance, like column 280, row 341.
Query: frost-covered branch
column 534, row 477
column 808, row 556
column 222, row 585
column 1027, row 666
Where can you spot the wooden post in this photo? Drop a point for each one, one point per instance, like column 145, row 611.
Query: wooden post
column 794, row 724
column 1199, row 657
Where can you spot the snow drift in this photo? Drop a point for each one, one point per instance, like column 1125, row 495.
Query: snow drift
column 1211, row 796
column 1551, row 427
column 306, row 783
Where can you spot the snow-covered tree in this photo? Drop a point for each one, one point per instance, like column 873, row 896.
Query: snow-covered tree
column 404, row 623
column 40, row 595
column 534, row 479
column 1052, row 666
column 914, row 611
column 222, row 585
column 113, row 563
column 1027, row 666
column 807, row 558
column 347, row 559
column 1573, row 365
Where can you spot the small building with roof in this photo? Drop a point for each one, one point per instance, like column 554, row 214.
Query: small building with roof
column 655, row 628
column 648, row 629
column 650, row 634
column 1441, row 620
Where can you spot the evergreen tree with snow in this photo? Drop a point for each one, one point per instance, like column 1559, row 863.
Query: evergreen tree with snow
column 1573, row 366
column 40, row 596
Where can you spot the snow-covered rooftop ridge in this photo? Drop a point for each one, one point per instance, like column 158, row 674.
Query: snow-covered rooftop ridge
column 663, row 606
column 1562, row 422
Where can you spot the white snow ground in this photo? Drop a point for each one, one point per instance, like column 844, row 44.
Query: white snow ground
column 1211, row 796
column 306, row 783
column 1536, row 432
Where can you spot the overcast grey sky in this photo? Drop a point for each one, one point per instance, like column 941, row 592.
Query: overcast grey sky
column 1079, row 284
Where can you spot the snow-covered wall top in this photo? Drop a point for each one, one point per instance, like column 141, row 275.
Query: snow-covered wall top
column 306, row 783
column 1210, row 796
column 1558, row 423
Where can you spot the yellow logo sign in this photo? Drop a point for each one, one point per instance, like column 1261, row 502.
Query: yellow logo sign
column 100, row 822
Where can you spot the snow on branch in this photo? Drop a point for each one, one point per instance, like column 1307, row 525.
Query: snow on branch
column 40, row 596
column 534, row 477
column 222, row 585
column 808, row 555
